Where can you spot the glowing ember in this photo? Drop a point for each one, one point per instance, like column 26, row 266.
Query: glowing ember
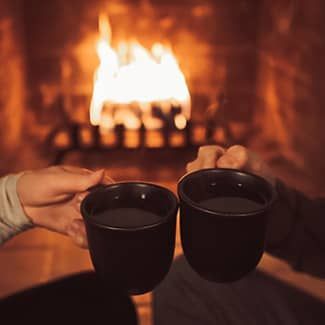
column 133, row 79
column 180, row 121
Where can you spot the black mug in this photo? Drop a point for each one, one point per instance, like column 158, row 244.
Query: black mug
column 131, row 234
column 224, row 215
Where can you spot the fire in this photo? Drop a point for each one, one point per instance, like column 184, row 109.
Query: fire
column 133, row 79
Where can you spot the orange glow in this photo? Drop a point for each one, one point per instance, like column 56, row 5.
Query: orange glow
column 180, row 121
column 133, row 75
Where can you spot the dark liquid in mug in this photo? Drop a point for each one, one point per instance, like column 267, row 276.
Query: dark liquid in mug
column 126, row 218
column 231, row 204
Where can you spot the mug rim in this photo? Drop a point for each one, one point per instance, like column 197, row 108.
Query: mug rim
column 183, row 197
column 173, row 198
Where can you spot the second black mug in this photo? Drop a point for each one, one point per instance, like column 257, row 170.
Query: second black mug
column 224, row 215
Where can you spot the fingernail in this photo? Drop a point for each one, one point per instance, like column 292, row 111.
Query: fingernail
column 108, row 179
column 79, row 240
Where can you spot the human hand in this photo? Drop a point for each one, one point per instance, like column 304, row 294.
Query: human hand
column 236, row 157
column 51, row 198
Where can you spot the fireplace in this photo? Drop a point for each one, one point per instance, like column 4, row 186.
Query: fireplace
column 253, row 71
column 250, row 72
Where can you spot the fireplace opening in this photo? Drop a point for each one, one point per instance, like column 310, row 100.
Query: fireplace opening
column 139, row 99
column 97, row 82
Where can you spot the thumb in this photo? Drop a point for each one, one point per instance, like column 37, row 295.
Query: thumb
column 80, row 182
column 206, row 158
column 92, row 179
column 208, row 155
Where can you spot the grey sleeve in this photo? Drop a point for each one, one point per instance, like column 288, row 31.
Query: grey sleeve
column 296, row 231
column 12, row 217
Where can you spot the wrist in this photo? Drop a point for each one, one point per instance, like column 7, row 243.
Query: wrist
column 22, row 200
column 13, row 219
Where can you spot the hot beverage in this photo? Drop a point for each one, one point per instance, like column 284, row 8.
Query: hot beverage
column 126, row 218
column 230, row 204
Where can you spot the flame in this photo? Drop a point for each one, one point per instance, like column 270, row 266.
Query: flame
column 132, row 74
column 180, row 121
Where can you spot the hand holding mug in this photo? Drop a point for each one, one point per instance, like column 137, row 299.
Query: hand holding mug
column 235, row 157
column 224, row 212
column 51, row 198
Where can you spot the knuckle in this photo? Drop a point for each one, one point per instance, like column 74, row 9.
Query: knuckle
column 191, row 166
column 237, row 149
column 240, row 155
column 204, row 150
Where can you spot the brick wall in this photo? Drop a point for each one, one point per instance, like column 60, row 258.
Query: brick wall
column 12, row 82
column 290, row 81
